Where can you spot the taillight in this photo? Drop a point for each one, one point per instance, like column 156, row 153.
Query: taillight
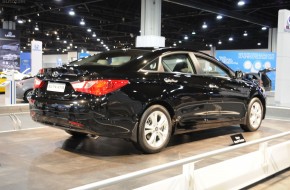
column 99, row 87
column 37, row 83
column 41, row 71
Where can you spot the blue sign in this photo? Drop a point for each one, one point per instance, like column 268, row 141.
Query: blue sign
column 249, row 62
column 82, row 55
column 25, row 62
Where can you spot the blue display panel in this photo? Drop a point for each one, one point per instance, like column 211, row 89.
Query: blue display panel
column 249, row 62
column 25, row 62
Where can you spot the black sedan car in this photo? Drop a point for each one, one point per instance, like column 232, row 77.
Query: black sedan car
column 146, row 96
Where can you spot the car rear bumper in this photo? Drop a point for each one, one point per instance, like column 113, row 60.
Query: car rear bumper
column 85, row 116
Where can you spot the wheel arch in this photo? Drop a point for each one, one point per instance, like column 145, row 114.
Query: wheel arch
column 167, row 106
column 263, row 101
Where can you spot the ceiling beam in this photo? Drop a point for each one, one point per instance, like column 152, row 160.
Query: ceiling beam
column 218, row 10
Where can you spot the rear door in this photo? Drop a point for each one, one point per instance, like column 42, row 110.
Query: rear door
column 187, row 90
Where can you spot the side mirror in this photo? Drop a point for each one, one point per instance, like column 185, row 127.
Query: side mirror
column 239, row 74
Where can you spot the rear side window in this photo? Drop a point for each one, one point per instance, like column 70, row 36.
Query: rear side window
column 177, row 63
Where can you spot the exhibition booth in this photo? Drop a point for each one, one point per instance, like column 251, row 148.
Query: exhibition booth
column 215, row 159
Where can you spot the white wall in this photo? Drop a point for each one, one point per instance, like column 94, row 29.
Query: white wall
column 54, row 60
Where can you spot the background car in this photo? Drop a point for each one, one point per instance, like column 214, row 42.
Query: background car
column 17, row 75
column 24, row 89
column 2, row 79
column 146, row 96
column 261, row 78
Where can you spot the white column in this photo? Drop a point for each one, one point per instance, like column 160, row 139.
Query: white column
column 150, row 25
column 283, row 59
column 272, row 40
column 36, row 56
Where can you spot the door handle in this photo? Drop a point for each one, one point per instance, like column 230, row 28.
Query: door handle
column 213, row 86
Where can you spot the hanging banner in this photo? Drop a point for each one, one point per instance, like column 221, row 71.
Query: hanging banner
column 36, row 57
column 9, row 50
column 249, row 62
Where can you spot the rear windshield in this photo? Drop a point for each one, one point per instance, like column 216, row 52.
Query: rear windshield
column 111, row 58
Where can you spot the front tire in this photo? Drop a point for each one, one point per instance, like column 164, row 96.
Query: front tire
column 154, row 129
column 254, row 115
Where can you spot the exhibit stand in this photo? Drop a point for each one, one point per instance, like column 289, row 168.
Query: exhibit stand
column 10, row 88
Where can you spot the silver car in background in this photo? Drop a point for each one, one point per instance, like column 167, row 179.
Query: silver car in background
column 24, row 89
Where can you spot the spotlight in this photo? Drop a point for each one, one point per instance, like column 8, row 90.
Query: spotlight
column 94, row 35
column 204, row 26
column 82, row 22
column 36, row 27
column 245, row 33
column 241, row 3
column 71, row 12
column 264, row 28
column 219, row 17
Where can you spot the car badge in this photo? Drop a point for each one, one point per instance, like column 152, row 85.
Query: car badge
column 55, row 74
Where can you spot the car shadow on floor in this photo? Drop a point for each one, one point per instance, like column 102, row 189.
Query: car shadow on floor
column 103, row 146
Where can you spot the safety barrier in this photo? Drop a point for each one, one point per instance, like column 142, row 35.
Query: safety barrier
column 234, row 173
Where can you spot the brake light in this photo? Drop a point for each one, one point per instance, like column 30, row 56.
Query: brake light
column 99, row 87
column 41, row 71
column 37, row 83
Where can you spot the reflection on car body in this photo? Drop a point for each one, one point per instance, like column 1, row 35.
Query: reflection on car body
column 145, row 95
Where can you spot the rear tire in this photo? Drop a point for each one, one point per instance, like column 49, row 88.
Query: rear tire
column 76, row 134
column 254, row 115
column 154, row 130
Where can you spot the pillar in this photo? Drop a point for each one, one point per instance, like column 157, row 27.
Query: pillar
column 150, row 25
column 10, row 25
column 272, row 40
column 283, row 59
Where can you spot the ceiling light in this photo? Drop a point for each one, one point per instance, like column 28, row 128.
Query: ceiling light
column 55, row 32
column 204, row 26
column 57, row 38
column 89, row 30
column 36, row 27
column 94, row 35
column 82, row 22
column 245, row 33
column 102, row 42
column 186, row 37
column 220, row 42
column 259, row 43
column 98, row 39
column 264, row 28
column 71, row 12
column 219, row 17
column 29, row 20
column 20, row 21
column 193, row 33
column 174, row 44
column 210, row 45
column 231, row 38
column 37, row 14
column 64, row 41
column 241, row 3
column 179, row 41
